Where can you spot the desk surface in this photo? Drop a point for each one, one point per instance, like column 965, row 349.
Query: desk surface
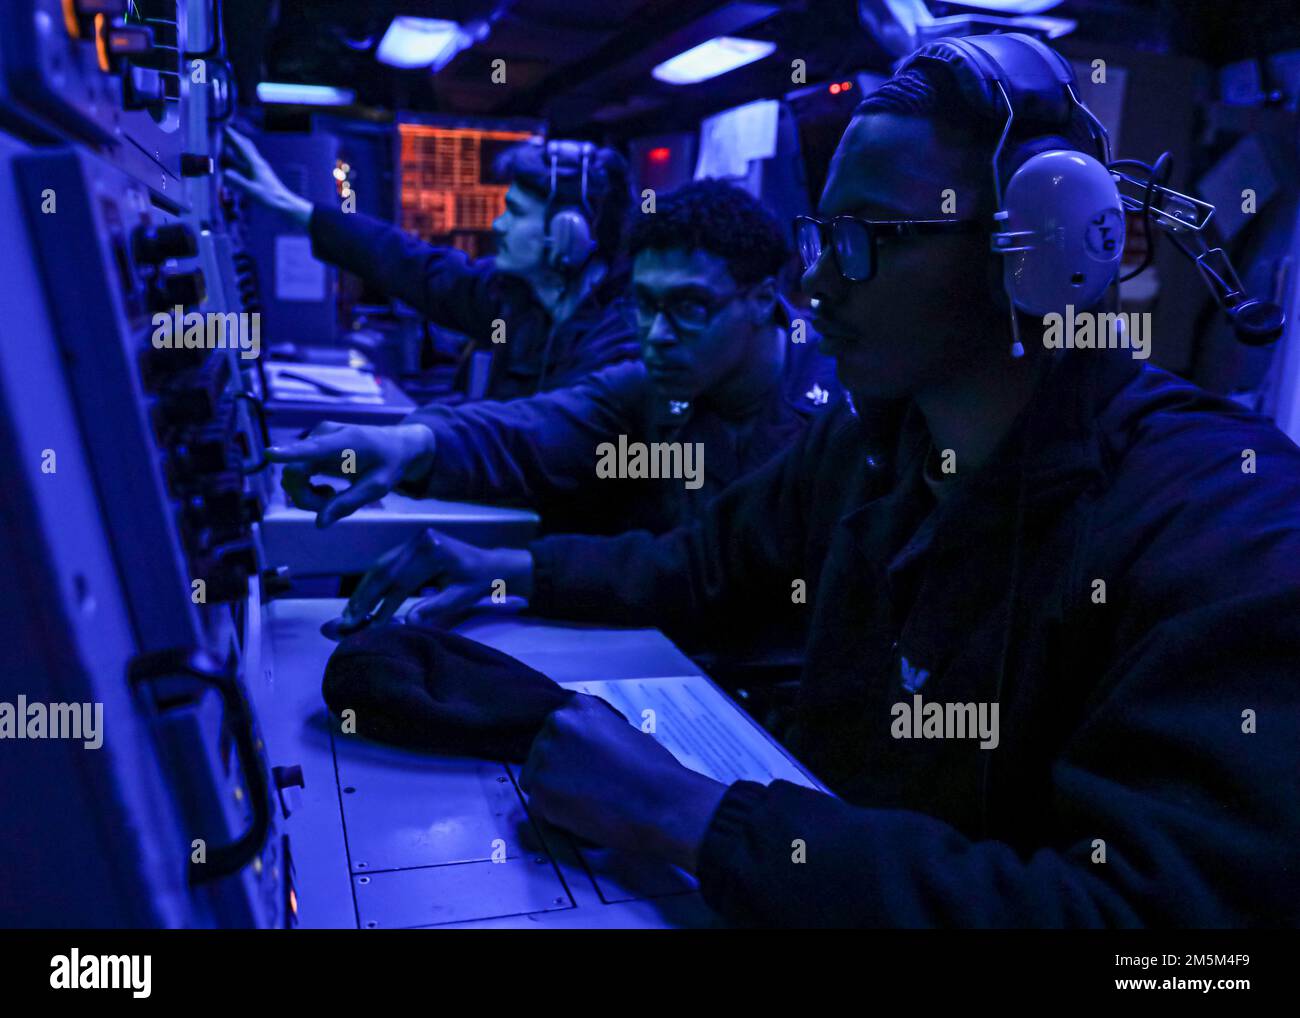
column 383, row 837
column 301, row 413
column 291, row 538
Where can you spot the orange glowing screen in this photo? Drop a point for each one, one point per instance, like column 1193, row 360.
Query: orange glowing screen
column 442, row 181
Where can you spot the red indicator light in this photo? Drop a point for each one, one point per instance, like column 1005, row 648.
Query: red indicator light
column 659, row 155
column 835, row 90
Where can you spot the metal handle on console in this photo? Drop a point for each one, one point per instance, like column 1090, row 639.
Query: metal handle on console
column 222, row 860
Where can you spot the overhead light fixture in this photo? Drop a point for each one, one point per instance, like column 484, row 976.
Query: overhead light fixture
column 422, row 42
column 1011, row 6
column 304, row 95
column 709, row 59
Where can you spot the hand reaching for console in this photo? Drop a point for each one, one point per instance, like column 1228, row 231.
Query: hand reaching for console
column 377, row 458
column 253, row 175
column 464, row 573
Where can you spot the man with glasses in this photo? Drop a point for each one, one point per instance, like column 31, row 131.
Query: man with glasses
column 1052, row 663
column 722, row 370
column 853, row 241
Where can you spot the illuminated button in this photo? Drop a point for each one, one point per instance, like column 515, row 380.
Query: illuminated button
column 78, row 15
column 114, row 40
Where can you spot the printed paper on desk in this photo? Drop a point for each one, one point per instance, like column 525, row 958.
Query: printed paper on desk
column 298, row 275
column 322, row 383
column 703, row 729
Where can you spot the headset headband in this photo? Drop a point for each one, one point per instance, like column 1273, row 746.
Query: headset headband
column 1013, row 76
column 569, row 240
column 1037, row 80
column 578, row 154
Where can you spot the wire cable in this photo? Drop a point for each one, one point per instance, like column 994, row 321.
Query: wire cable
column 1157, row 176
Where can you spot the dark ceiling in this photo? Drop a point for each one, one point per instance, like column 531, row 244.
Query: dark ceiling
column 585, row 64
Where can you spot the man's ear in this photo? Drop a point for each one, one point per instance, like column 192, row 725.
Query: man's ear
column 762, row 301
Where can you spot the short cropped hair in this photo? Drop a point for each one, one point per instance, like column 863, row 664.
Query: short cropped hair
column 929, row 89
column 609, row 192
column 714, row 216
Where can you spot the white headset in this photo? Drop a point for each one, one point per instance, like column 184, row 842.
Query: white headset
column 1059, row 220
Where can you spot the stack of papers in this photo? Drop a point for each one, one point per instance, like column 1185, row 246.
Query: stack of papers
column 322, row 383
column 703, row 729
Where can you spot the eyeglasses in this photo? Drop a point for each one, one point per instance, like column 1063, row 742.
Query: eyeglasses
column 853, row 240
column 685, row 313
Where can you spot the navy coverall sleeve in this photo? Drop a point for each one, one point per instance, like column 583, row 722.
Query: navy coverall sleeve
column 1198, row 818
column 740, row 551
column 439, row 282
column 610, row 341
column 526, row 450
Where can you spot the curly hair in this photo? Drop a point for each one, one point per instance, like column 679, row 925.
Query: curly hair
column 714, row 216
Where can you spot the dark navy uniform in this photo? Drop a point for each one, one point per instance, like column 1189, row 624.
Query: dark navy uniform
column 1147, row 768
column 467, row 296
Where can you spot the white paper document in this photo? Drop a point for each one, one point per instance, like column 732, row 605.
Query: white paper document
column 700, row 726
column 322, row 383
column 299, row 275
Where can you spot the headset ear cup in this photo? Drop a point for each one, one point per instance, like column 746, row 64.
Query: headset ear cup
column 569, row 240
column 1063, row 232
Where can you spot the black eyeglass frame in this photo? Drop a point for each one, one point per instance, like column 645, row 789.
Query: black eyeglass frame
column 714, row 306
column 875, row 229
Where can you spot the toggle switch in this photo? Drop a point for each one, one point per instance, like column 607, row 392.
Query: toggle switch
column 185, row 287
column 79, row 15
column 194, row 164
column 153, row 245
column 287, row 782
column 142, row 89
